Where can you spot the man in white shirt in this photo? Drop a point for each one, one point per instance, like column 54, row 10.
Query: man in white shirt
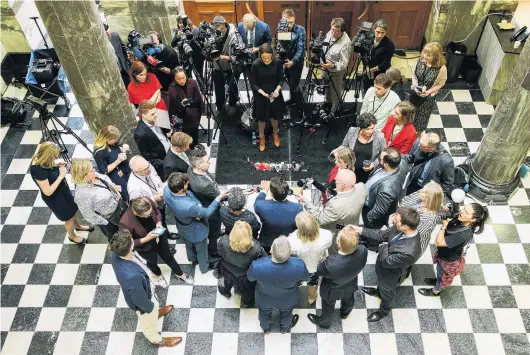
column 380, row 100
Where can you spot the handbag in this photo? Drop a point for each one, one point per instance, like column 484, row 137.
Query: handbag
column 120, row 208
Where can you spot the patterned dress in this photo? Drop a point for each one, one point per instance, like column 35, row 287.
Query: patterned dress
column 426, row 77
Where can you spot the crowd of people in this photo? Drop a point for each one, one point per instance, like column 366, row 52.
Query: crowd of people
column 387, row 170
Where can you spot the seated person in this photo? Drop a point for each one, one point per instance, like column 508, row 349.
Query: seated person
column 398, row 82
column 176, row 160
column 379, row 100
column 235, row 211
column 399, row 131
column 277, row 214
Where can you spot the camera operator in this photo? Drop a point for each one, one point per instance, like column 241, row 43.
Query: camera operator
column 294, row 64
column 170, row 60
column 254, row 33
column 185, row 101
column 337, row 57
column 225, row 66
column 185, row 26
column 380, row 54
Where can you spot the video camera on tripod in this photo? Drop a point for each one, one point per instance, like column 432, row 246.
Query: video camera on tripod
column 363, row 41
column 242, row 53
column 144, row 48
column 283, row 39
column 208, row 38
column 316, row 48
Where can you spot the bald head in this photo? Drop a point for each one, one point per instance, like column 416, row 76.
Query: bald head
column 345, row 179
column 139, row 165
column 429, row 142
column 249, row 20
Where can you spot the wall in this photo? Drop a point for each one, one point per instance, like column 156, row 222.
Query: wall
column 522, row 13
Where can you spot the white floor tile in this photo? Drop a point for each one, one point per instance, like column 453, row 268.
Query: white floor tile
column 33, row 296
column 519, row 198
column 121, row 343
column 406, row 321
column 447, row 108
column 489, row 343
column 204, row 279
column 455, row 135
column 222, row 302
column 94, row 254
column 435, row 121
column 17, row 274
column 17, row 343
column 470, row 121
column 7, row 197
column 31, row 137
column 69, row 343
column 509, row 320
column 19, row 166
column 7, row 314
column 483, row 108
column 522, row 295
column 501, row 214
column 472, row 255
column 304, row 325
column 33, row 234
column 248, row 321
column 179, row 296
column 107, row 276
column 75, row 111
column 48, row 253
column 487, row 236
column 64, row 274
column 225, row 341
column 436, row 344
column 100, row 319
column 513, row 253
column 7, row 251
column 473, row 147
column 29, row 184
column 278, row 344
column 51, row 319
column 201, row 320
column 423, row 302
column 356, row 322
column 457, row 321
column 522, row 230
column 383, row 343
column 496, row 275
column 330, row 343
column 18, row 215
column 477, row 297
column 461, row 96
column 82, row 296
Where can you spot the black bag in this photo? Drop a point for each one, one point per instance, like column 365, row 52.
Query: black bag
column 120, row 208
column 13, row 111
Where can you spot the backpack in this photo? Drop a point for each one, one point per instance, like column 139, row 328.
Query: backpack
column 462, row 175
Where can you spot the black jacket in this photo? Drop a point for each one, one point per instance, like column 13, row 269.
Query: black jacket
column 382, row 55
column 150, row 146
column 393, row 259
column 206, row 191
column 121, row 51
column 441, row 169
column 174, row 164
column 339, row 273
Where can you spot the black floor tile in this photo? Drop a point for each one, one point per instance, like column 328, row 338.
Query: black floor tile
column 25, row 319
column 473, row 134
column 58, row 296
column 12, row 181
column 459, row 149
column 75, row 319
column 88, row 274
column 203, row 296
column 451, row 121
column 11, row 233
column 125, row 320
column 41, row 274
column 506, row 233
column 453, row 297
column 95, row 343
column 355, row 344
column 25, row 253
column 519, row 274
column 463, row 343
column 71, row 254
column 201, row 343
column 431, row 320
column 25, row 151
column 106, row 296
column 409, row 343
column 484, row 120
column 502, row 297
column 42, row 343
column 11, row 295
column 39, row 216
column 385, row 325
column 483, row 321
column 476, row 95
column 177, row 320
column 490, row 254
column 465, row 108
column 521, row 214
column 226, row 320
column 26, row 198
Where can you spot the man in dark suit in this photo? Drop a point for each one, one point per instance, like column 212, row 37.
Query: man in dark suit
column 430, row 162
column 401, row 249
column 120, row 49
column 204, row 187
column 277, row 279
column 177, row 160
column 152, row 141
column 339, row 277
column 254, row 33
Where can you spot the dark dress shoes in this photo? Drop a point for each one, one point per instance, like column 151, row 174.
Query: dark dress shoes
column 172, row 249
column 375, row 317
column 162, row 311
column 295, row 320
column 173, row 236
column 313, row 318
column 372, row 291
column 90, row 229
column 169, row 342
column 430, row 281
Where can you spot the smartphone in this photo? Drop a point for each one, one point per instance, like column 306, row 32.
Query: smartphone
column 159, row 230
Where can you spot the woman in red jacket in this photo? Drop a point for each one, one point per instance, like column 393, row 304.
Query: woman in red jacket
column 399, row 131
column 144, row 86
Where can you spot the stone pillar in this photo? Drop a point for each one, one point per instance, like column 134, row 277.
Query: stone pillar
column 151, row 15
column 89, row 63
column 13, row 38
column 495, row 169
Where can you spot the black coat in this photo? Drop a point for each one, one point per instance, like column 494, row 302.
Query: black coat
column 121, row 51
column 190, row 115
column 174, row 164
column 150, row 146
column 381, row 55
column 339, row 273
column 393, row 259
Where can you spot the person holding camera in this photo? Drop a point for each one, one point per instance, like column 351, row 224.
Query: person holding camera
column 169, row 59
column 226, row 70
column 337, row 57
column 185, row 101
column 185, row 27
column 294, row 64
column 450, row 242
column 254, row 33
column 267, row 78
column 380, row 100
column 235, row 211
column 144, row 220
column 111, row 158
column 380, row 54
column 144, row 86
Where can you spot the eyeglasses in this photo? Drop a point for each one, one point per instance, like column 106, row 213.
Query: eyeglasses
column 144, row 170
column 335, row 30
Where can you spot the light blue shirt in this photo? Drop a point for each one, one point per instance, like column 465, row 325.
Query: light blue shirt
column 424, row 173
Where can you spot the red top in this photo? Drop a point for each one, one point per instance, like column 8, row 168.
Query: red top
column 333, row 174
column 144, row 91
column 404, row 140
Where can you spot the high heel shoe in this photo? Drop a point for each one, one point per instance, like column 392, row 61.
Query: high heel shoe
column 90, row 229
column 83, row 241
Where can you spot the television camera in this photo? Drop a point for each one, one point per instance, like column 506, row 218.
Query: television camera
column 283, row 39
column 363, row 41
column 144, row 48
column 316, row 48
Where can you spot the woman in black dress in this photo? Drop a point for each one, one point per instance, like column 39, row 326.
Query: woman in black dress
column 50, row 178
column 267, row 77
column 427, row 79
column 111, row 159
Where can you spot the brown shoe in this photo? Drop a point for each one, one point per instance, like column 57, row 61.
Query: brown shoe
column 261, row 144
column 276, row 139
column 169, row 342
column 164, row 310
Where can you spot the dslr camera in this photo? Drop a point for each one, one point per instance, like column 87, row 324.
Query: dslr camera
column 363, row 41
column 316, row 47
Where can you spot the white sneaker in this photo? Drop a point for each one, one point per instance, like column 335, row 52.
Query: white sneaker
column 188, row 279
column 160, row 281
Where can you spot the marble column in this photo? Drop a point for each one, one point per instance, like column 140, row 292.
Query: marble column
column 151, row 15
column 89, row 63
column 495, row 169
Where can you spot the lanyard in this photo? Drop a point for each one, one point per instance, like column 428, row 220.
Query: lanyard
column 373, row 102
column 107, row 187
column 148, row 182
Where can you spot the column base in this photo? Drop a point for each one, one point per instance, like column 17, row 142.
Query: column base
column 488, row 192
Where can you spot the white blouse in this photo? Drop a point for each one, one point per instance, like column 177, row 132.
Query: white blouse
column 313, row 252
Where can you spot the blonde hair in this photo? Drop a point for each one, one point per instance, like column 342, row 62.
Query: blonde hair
column 307, row 227
column 241, row 237
column 106, row 134
column 434, row 49
column 249, row 20
column 346, row 155
column 46, row 155
column 145, row 106
column 407, row 110
column 432, row 196
column 80, row 169
column 347, row 239
column 181, row 139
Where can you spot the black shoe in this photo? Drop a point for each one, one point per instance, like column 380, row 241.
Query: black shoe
column 172, row 249
column 231, row 110
column 83, row 241
column 173, row 236
column 245, row 305
column 429, row 292
column 372, row 291
column 90, row 229
column 289, row 102
column 215, row 255
column 194, row 263
column 293, row 323
column 226, row 295
column 344, row 315
column 375, row 317
column 430, row 281
column 266, row 331
column 313, row 318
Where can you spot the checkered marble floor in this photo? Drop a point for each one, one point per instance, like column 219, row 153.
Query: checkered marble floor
column 60, row 298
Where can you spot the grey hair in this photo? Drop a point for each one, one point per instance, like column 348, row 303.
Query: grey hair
column 218, row 20
column 281, row 249
column 381, row 23
column 236, row 199
column 434, row 139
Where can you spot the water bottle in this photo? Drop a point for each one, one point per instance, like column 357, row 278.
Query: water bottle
column 253, row 138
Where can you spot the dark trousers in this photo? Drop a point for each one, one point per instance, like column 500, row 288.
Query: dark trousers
column 162, row 249
column 388, row 297
column 220, row 78
column 293, row 75
column 328, row 307
column 265, row 315
column 108, row 230
column 378, row 224
column 193, row 132
column 367, row 83
column 198, row 252
column 213, row 234
column 247, row 294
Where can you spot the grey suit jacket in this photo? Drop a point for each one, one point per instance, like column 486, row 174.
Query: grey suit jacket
column 205, row 188
column 344, row 208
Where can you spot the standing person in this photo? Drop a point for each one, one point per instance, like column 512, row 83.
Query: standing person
column 185, row 101
column 192, row 218
column 142, row 219
column 380, row 100
column 450, row 242
column 111, row 158
column 238, row 250
column 177, row 160
column 366, row 143
column 277, row 279
column 402, row 250
column 398, row 82
column 337, row 58
column 99, row 200
column 310, row 243
column 120, row 50
column 294, row 64
column 236, row 211
column 339, row 272
column 50, row 178
column 380, row 54
column 427, row 79
column 144, row 86
column 399, row 131
column 267, row 78
column 254, row 33
column 136, row 289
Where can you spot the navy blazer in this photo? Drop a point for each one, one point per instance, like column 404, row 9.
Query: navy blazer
column 277, row 284
column 263, row 33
